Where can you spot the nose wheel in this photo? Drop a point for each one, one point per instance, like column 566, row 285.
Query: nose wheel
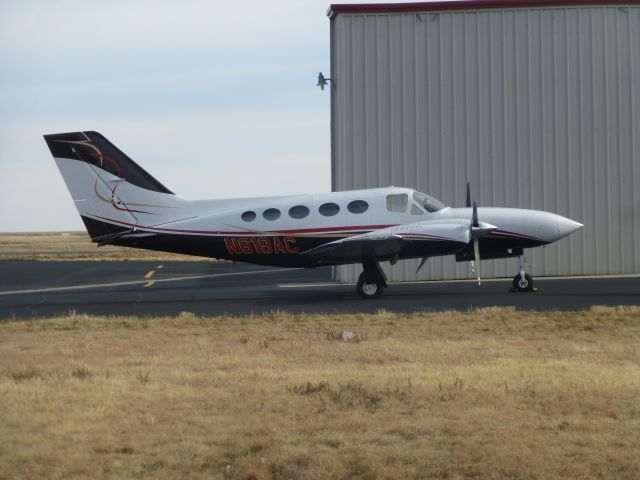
column 523, row 282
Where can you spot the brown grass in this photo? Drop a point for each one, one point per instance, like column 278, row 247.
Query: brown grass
column 74, row 246
column 493, row 393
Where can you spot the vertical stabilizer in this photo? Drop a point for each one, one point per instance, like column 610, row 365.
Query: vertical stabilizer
column 112, row 193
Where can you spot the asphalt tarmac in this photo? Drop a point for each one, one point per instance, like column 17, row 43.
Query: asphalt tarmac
column 44, row 289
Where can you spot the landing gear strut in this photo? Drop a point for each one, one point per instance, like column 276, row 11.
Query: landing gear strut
column 523, row 282
column 372, row 280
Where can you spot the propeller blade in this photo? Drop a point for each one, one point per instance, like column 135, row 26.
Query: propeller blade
column 476, row 232
column 422, row 262
column 474, row 217
column 476, row 254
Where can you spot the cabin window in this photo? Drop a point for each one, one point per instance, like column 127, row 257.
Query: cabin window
column 299, row 211
column 358, row 206
column 397, row 202
column 248, row 216
column 416, row 210
column 271, row 214
column 329, row 209
column 430, row 204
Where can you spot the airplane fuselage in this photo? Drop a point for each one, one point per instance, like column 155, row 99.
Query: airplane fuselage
column 230, row 232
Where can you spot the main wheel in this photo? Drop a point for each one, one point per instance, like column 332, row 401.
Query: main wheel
column 523, row 284
column 368, row 290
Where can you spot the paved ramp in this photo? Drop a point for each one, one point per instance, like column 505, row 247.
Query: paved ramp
column 43, row 289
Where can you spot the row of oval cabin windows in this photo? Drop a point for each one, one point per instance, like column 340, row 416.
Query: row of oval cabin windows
column 396, row 203
column 300, row 211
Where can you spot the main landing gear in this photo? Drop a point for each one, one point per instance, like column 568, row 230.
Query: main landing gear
column 372, row 280
column 523, row 282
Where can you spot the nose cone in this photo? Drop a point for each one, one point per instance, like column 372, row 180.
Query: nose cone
column 567, row 226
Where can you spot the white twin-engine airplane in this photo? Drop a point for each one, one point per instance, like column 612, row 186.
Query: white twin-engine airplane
column 121, row 204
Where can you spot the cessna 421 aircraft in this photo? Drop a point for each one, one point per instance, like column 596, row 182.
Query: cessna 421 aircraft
column 121, row 204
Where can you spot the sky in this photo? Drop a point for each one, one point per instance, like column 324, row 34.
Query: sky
column 215, row 99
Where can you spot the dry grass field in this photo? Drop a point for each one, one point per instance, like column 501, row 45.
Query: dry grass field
column 492, row 393
column 73, row 246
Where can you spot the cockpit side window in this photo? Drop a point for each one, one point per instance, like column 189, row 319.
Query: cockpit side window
column 430, row 204
column 416, row 210
column 397, row 202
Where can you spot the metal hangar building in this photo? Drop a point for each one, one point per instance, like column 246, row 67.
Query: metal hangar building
column 535, row 103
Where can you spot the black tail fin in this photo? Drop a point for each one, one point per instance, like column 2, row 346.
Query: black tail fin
column 93, row 148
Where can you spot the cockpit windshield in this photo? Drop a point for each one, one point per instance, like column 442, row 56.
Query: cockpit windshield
column 430, row 204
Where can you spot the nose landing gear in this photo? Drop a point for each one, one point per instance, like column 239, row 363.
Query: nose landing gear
column 523, row 282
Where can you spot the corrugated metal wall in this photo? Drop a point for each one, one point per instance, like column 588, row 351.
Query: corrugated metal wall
column 538, row 108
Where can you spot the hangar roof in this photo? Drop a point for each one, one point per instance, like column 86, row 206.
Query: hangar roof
column 372, row 8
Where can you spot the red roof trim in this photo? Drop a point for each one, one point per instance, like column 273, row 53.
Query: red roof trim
column 364, row 8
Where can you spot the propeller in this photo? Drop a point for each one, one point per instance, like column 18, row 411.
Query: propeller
column 475, row 231
column 478, row 229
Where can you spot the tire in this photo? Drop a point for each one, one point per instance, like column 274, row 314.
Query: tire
column 368, row 290
column 523, row 285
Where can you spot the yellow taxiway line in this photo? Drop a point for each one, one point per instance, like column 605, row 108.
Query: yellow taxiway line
column 139, row 282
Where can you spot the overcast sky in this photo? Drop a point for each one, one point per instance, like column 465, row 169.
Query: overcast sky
column 215, row 99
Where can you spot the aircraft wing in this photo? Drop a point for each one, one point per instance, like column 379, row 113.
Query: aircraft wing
column 360, row 246
column 387, row 243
